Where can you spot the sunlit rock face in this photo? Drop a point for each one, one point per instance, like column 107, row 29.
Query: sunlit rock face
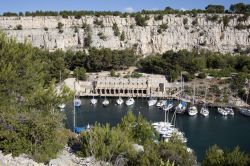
column 43, row 32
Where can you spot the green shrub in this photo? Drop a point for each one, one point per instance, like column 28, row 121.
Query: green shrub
column 195, row 22
column 102, row 36
column 140, row 20
column 46, row 28
column 213, row 18
column 122, row 37
column 226, row 21
column 98, row 23
column 116, row 29
column 158, row 17
column 80, row 74
column 18, row 27
column 60, row 25
column 185, row 21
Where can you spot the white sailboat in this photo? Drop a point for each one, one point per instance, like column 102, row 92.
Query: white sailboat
column 105, row 102
column 93, row 101
column 182, row 106
column 119, row 101
column 230, row 111
column 168, row 105
column 130, row 101
column 204, row 110
column 152, row 102
column 77, row 102
column 193, row 109
column 161, row 103
column 62, row 105
column 222, row 111
column 167, row 129
column 245, row 111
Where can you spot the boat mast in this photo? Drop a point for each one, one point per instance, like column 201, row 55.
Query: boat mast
column 193, row 94
column 74, row 111
column 205, row 96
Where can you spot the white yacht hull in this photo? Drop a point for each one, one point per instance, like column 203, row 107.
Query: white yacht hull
column 93, row 101
column 222, row 112
column 152, row 102
column 130, row 102
column 192, row 111
column 204, row 112
column 105, row 102
column 119, row 101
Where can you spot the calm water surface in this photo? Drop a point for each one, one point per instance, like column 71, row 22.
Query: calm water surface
column 201, row 132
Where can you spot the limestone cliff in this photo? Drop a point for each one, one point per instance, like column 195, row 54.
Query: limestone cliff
column 196, row 32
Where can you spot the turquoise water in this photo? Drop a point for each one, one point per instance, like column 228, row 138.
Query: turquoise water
column 201, row 132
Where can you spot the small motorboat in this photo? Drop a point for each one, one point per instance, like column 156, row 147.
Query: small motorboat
column 77, row 102
column 204, row 111
column 230, row 111
column 245, row 111
column 119, row 101
column 168, row 105
column 152, row 102
column 181, row 107
column 93, row 101
column 192, row 111
column 105, row 102
column 222, row 111
column 130, row 101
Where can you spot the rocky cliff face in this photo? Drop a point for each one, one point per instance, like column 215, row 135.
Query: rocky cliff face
column 201, row 33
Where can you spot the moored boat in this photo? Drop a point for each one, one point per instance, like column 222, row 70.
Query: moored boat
column 204, row 111
column 168, row 106
column 119, row 101
column 229, row 111
column 245, row 111
column 77, row 102
column 93, row 101
column 181, row 107
column 192, row 111
column 105, row 102
column 130, row 101
column 222, row 111
column 152, row 102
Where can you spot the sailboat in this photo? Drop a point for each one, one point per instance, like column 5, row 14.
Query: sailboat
column 168, row 106
column 151, row 101
column 167, row 129
column 93, row 101
column 119, row 101
column 77, row 101
column 105, row 102
column 182, row 106
column 161, row 103
column 222, row 111
column 193, row 109
column 62, row 105
column 130, row 101
column 204, row 110
column 229, row 110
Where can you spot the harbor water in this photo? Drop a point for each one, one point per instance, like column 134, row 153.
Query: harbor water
column 201, row 132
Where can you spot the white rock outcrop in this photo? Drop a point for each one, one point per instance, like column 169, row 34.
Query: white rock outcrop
column 145, row 40
column 65, row 158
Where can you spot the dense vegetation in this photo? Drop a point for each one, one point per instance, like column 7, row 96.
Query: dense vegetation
column 29, row 120
column 215, row 64
column 217, row 157
column 116, row 144
column 239, row 8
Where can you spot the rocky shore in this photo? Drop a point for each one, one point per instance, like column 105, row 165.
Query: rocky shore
column 65, row 158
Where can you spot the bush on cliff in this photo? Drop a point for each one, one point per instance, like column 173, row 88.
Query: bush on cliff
column 29, row 119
